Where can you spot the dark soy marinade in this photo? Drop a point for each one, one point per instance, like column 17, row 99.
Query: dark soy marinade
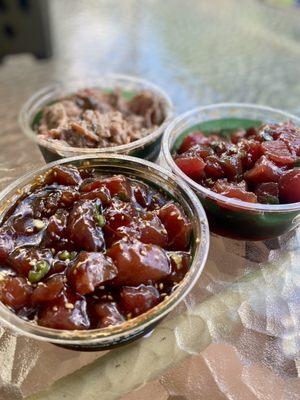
column 79, row 251
column 258, row 165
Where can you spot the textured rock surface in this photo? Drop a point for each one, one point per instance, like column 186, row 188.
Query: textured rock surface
column 200, row 52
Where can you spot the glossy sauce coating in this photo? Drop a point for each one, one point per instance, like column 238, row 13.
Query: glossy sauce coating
column 258, row 165
column 79, row 251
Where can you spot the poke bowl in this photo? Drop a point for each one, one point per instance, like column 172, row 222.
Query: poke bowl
column 95, row 251
column 242, row 161
column 110, row 114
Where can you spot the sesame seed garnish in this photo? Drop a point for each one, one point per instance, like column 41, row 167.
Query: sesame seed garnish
column 143, row 253
column 129, row 315
column 39, row 224
column 161, row 286
column 69, row 306
column 197, row 240
column 164, row 294
column 109, row 297
column 29, row 230
column 54, row 308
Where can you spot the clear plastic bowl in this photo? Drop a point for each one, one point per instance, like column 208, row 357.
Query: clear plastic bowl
column 110, row 337
column 147, row 147
column 227, row 216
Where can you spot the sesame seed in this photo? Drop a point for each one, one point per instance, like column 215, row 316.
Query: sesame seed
column 173, row 213
column 29, row 230
column 197, row 240
column 69, row 306
column 102, row 287
column 129, row 315
column 109, row 297
column 164, row 294
column 161, row 286
column 143, row 253
column 55, row 308
column 39, row 224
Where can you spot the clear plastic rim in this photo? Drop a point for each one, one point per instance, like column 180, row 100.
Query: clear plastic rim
column 42, row 96
column 140, row 323
column 207, row 192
